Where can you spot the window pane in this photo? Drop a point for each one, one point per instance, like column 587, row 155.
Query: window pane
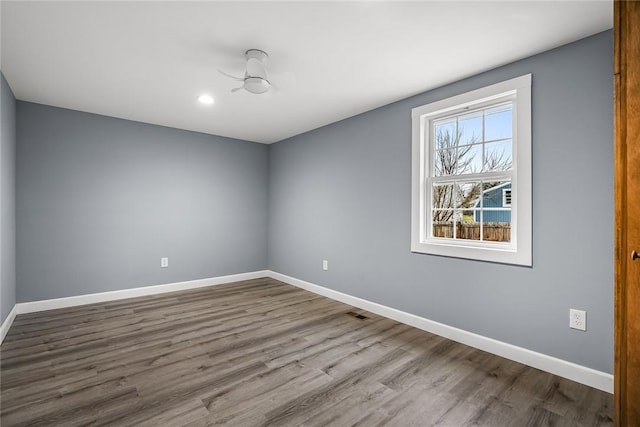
column 443, row 198
column 498, row 123
column 498, row 156
column 468, row 230
column 492, row 193
column 469, row 159
column 445, row 162
column 468, row 193
column 470, row 128
column 444, row 228
column 496, row 218
column 444, row 134
column 496, row 226
column 467, row 227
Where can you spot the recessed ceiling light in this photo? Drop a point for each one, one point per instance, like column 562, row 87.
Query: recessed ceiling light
column 205, row 99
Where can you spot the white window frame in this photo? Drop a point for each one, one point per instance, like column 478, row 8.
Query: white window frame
column 519, row 250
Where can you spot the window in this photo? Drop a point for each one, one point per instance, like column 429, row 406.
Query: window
column 471, row 174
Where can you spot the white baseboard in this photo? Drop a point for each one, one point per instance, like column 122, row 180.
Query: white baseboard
column 591, row 377
column 7, row 323
column 563, row 368
column 51, row 304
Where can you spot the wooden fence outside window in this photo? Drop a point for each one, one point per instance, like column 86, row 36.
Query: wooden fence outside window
column 493, row 231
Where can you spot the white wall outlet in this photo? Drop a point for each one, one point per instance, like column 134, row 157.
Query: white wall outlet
column 325, row 264
column 164, row 262
column 578, row 319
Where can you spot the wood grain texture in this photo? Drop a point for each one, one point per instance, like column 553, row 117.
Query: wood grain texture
column 627, row 210
column 263, row 353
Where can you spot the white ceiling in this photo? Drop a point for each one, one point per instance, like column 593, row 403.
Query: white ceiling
column 148, row 61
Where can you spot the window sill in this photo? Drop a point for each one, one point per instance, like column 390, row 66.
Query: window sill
column 498, row 253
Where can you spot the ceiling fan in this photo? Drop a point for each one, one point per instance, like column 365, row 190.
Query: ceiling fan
column 255, row 78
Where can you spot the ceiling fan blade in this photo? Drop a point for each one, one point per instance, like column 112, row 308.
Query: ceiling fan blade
column 237, row 89
column 230, row 76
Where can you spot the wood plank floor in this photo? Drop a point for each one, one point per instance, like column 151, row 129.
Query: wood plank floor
column 260, row 353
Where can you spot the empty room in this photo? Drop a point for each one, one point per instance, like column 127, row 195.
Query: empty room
column 318, row 213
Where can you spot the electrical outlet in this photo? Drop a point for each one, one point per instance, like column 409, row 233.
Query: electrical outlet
column 578, row 319
column 164, row 262
column 325, row 264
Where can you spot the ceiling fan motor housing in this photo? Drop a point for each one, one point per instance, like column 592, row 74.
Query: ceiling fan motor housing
column 258, row 54
column 256, row 85
column 255, row 78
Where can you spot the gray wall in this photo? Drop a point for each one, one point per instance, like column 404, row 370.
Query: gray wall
column 101, row 200
column 7, row 199
column 342, row 193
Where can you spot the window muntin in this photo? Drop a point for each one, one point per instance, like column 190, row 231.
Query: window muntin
column 471, row 157
column 470, row 210
column 476, row 143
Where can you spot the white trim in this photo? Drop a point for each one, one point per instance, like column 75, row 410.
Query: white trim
column 51, row 304
column 8, row 322
column 582, row 374
column 563, row 368
column 519, row 250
